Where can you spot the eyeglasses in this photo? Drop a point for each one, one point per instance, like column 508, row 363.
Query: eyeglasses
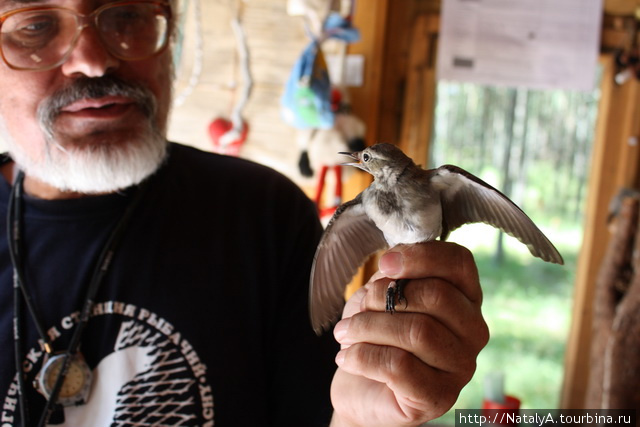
column 42, row 37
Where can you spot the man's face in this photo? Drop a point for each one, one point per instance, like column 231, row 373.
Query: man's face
column 91, row 115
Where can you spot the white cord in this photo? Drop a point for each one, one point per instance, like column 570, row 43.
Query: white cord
column 196, row 70
column 245, row 64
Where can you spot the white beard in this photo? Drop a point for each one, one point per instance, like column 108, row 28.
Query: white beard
column 100, row 169
column 90, row 171
column 95, row 168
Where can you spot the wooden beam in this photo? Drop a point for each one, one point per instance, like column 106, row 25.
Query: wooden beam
column 400, row 21
column 614, row 165
column 371, row 20
column 420, row 98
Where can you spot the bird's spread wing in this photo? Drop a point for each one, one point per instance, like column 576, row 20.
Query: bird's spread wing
column 466, row 199
column 349, row 239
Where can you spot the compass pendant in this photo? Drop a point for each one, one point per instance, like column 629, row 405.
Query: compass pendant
column 76, row 385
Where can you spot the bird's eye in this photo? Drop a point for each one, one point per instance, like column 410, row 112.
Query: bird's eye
column 366, row 157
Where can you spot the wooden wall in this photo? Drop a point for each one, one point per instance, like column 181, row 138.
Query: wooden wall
column 275, row 41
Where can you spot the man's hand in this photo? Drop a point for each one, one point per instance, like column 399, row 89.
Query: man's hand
column 408, row 368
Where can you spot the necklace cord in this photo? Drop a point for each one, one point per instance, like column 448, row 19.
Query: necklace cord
column 17, row 312
column 14, row 227
column 99, row 273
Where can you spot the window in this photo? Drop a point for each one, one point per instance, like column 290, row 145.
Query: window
column 535, row 147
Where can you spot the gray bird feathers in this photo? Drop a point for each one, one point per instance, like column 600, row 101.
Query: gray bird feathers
column 406, row 204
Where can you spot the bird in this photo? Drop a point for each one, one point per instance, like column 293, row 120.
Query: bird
column 406, row 204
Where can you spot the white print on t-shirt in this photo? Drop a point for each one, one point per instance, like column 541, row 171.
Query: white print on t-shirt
column 152, row 376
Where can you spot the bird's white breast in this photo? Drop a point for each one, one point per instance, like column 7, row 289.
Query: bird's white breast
column 407, row 215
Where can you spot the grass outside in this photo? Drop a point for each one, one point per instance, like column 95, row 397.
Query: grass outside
column 527, row 305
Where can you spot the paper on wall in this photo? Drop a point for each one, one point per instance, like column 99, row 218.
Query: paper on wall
column 530, row 43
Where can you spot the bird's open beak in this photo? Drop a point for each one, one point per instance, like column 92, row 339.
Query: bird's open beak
column 354, row 156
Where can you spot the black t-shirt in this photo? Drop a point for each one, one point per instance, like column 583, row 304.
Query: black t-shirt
column 202, row 318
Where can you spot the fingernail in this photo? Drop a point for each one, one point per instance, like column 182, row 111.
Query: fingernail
column 340, row 357
column 391, row 263
column 340, row 330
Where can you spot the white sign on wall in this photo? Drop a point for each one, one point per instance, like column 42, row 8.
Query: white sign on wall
column 532, row 43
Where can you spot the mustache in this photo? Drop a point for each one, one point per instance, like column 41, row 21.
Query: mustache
column 94, row 88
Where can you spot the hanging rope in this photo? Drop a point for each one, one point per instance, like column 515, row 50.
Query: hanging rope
column 196, row 69
column 245, row 67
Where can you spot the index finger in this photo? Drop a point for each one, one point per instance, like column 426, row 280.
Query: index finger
column 445, row 260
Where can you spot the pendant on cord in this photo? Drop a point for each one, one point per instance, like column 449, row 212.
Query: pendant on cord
column 77, row 380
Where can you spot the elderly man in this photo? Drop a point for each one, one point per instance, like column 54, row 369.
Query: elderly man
column 144, row 282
